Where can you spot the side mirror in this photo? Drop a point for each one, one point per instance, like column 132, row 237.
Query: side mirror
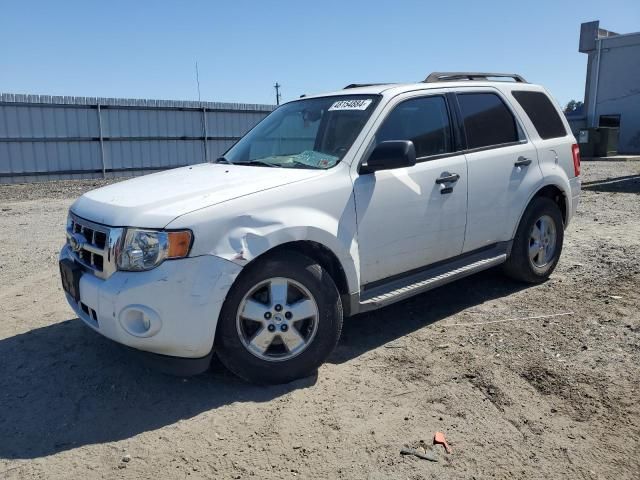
column 389, row 155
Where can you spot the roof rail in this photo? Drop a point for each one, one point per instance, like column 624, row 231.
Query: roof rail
column 357, row 85
column 455, row 76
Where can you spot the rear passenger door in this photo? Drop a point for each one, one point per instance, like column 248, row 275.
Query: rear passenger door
column 502, row 167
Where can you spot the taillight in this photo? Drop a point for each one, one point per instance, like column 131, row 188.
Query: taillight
column 575, row 152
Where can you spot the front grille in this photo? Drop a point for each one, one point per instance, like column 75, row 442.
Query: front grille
column 94, row 246
column 97, row 238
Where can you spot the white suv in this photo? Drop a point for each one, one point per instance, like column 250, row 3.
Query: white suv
column 332, row 205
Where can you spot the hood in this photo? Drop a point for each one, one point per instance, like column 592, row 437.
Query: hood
column 153, row 201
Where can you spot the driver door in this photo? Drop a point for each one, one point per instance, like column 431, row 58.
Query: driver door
column 408, row 217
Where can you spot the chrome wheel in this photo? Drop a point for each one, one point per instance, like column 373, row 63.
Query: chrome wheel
column 542, row 242
column 277, row 319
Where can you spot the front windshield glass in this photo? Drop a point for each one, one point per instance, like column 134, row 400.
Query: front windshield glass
column 310, row 133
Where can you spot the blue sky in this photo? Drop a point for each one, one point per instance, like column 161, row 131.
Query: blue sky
column 143, row 49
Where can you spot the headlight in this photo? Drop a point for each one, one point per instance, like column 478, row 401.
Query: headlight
column 146, row 249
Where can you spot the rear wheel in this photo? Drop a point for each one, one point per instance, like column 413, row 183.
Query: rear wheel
column 538, row 242
column 280, row 321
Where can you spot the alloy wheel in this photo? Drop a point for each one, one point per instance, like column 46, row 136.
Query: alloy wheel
column 277, row 319
column 542, row 242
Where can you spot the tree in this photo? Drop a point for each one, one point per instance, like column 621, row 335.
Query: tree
column 572, row 106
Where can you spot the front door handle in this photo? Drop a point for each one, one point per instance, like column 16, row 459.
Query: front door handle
column 451, row 178
column 522, row 162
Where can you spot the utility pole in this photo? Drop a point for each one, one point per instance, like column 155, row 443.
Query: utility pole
column 277, row 87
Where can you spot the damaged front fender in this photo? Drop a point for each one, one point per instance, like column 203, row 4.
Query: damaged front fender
column 319, row 210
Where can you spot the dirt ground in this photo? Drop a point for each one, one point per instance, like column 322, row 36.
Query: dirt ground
column 517, row 396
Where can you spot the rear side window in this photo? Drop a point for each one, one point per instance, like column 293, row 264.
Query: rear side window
column 424, row 121
column 542, row 113
column 487, row 120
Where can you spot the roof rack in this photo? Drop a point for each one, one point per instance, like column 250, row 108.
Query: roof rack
column 357, row 85
column 455, row 76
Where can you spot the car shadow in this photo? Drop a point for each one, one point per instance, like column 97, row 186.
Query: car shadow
column 625, row 184
column 64, row 386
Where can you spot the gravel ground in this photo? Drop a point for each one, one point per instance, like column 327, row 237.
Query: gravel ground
column 518, row 395
column 54, row 190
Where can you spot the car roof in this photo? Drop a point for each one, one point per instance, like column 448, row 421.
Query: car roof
column 393, row 89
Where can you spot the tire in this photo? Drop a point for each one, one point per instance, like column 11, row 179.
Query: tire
column 541, row 212
column 240, row 340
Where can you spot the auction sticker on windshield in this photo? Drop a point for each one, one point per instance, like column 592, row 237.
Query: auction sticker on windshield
column 350, row 104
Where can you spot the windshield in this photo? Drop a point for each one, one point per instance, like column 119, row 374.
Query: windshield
column 311, row 133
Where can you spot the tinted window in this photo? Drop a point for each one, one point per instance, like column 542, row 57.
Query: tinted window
column 424, row 121
column 487, row 120
column 542, row 113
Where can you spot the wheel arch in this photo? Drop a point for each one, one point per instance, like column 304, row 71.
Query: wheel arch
column 559, row 197
column 555, row 193
column 323, row 255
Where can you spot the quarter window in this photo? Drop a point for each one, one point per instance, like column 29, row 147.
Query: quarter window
column 542, row 113
column 487, row 120
column 424, row 121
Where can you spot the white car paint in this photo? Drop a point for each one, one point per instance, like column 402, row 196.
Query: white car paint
column 320, row 209
column 497, row 190
column 555, row 158
column 184, row 297
column 152, row 201
column 376, row 225
column 408, row 200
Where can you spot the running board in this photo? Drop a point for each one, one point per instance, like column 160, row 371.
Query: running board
column 406, row 287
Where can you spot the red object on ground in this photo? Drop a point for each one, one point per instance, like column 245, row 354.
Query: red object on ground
column 440, row 438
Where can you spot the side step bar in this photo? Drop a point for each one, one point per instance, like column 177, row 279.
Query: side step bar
column 406, row 287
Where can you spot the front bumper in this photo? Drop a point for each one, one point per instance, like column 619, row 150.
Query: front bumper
column 171, row 310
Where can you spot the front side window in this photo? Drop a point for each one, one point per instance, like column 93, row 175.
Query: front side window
column 308, row 133
column 487, row 120
column 424, row 121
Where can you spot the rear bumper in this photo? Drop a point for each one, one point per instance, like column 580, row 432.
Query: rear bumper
column 170, row 311
column 576, row 186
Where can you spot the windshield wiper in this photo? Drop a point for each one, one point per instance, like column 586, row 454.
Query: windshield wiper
column 260, row 163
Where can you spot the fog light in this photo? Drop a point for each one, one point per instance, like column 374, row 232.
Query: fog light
column 139, row 321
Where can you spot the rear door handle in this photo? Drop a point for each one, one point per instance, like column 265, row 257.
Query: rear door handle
column 522, row 162
column 451, row 178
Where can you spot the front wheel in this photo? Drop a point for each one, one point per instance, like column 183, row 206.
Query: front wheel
column 538, row 242
column 280, row 321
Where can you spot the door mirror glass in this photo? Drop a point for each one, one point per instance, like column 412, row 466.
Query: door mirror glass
column 389, row 155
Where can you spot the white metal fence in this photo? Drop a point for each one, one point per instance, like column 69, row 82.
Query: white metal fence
column 51, row 138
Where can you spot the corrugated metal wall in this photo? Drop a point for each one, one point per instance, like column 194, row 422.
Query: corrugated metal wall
column 51, row 138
